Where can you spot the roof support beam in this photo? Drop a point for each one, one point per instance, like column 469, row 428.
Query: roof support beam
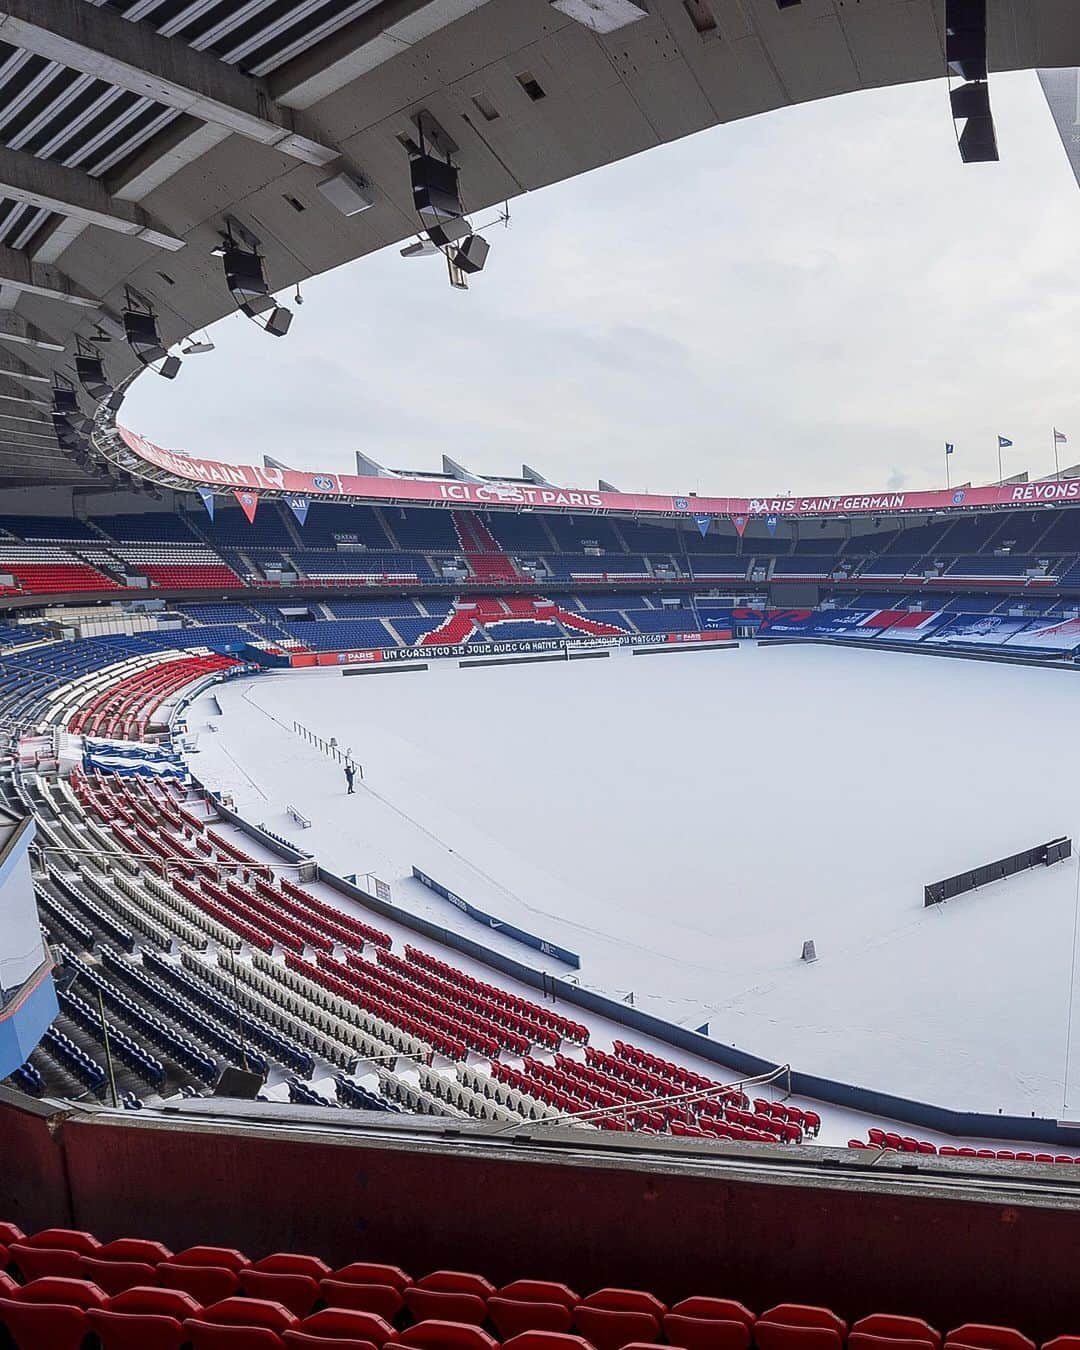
column 133, row 56
column 72, row 193
column 376, row 36
column 19, row 274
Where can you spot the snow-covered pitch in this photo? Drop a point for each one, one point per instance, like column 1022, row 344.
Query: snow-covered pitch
column 686, row 821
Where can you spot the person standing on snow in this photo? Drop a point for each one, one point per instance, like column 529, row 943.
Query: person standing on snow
column 350, row 774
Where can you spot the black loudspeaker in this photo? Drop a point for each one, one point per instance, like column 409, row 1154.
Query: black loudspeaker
column 239, row 1083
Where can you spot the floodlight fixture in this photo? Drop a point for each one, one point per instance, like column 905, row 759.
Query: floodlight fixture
column 141, row 331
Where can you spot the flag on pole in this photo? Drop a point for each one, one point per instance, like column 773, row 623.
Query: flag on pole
column 1003, row 442
column 1060, row 438
column 207, row 495
column 298, row 505
column 249, row 502
column 949, row 448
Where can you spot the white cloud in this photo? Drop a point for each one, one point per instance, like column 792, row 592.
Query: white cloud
column 811, row 300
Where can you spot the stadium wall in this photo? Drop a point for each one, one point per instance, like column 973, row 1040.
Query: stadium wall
column 666, row 1215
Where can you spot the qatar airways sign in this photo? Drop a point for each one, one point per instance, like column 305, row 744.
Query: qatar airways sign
column 545, row 497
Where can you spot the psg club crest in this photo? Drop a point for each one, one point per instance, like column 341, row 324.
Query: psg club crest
column 958, row 496
column 681, row 504
column 322, row 484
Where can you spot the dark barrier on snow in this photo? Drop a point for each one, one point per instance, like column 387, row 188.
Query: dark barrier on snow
column 1057, row 850
column 568, row 958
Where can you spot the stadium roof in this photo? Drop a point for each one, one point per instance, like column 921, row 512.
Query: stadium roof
column 130, row 130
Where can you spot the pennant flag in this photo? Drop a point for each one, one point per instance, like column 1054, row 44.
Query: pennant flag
column 249, row 501
column 299, row 507
column 740, row 524
column 207, row 495
column 1003, row 442
column 1060, row 438
column 771, row 523
column 702, row 522
column 949, row 448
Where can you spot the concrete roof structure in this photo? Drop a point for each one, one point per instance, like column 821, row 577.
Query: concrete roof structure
column 132, row 130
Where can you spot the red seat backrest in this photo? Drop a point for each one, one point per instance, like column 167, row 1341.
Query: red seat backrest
column 699, row 1333
column 900, row 1328
column 298, row 1293
column 625, row 1300
column 985, row 1337
column 59, row 1289
column 115, row 1276
column 610, row 1329
column 11, row 1232
column 208, row 1336
column 439, row 1305
column 783, row 1336
column 546, row 1340
column 133, row 1249
column 805, row 1315
column 161, row 1302
column 292, row 1263
column 361, row 1326
column 228, row 1257
column 304, row 1340
column 439, row 1335
column 714, row 1309
column 66, row 1239
column 540, row 1291
column 57, row 1326
column 368, row 1272
column 249, row 1312
column 456, row 1282
column 382, row 1299
column 863, row 1340
column 135, row 1331
column 206, row 1284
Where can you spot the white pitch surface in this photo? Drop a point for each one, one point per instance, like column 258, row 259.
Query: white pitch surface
column 685, row 821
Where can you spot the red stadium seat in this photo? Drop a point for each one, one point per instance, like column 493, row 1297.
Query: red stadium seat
column 436, row 1335
column 1062, row 1343
column 449, row 1296
column 134, row 1249
column 49, row 1313
column 861, row 1340
column 143, row 1318
column 240, row 1324
column 366, row 1287
column 709, row 1324
column 116, row 1276
column 546, row 1340
column 897, row 1328
column 288, row 1278
column 11, row 1232
column 228, row 1257
column 612, row 1318
column 206, row 1284
column 337, row 1329
column 983, row 1337
column 799, row 1326
column 53, row 1251
column 532, row 1305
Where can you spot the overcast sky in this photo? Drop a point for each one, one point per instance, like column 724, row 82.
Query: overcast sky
column 812, row 300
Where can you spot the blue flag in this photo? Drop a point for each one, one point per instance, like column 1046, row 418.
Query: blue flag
column 1003, row 442
column 299, row 507
column 949, row 448
column 207, row 495
column 771, row 523
column 703, row 522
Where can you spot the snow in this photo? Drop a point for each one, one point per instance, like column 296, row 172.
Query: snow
column 686, row 821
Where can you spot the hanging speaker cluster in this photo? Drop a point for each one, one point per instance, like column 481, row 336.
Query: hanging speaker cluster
column 245, row 276
column 966, row 60
column 437, row 201
column 143, row 337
